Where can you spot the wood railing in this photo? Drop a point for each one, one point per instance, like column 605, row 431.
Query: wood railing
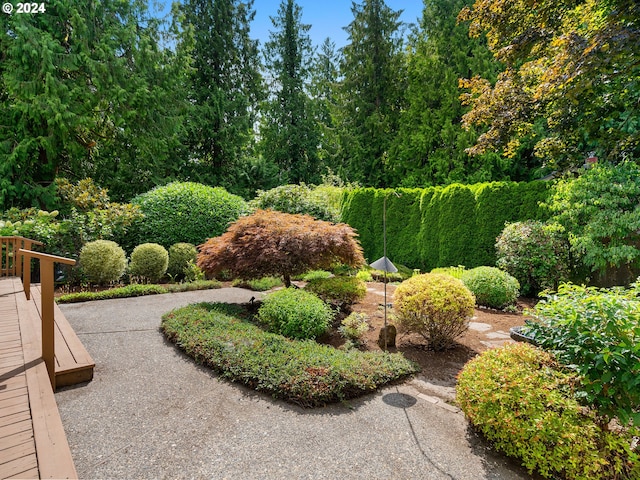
column 10, row 262
column 47, row 286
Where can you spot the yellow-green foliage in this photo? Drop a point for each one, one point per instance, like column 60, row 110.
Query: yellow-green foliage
column 436, row 306
column 149, row 260
column 103, row 261
column 180, row 254
column 518, row 397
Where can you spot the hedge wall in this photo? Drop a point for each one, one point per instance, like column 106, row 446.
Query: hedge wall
column 441, row 226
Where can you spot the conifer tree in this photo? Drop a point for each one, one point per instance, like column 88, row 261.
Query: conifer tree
column 225, row 86
column 289, row 135
column 370, row 91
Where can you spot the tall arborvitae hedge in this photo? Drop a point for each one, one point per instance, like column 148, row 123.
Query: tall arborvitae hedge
column 441, row 226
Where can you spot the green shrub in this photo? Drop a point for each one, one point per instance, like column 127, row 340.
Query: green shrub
column 491, row 286
column 596, row 332
column 259, row 285
column 436, row 306
column 186, row 212
column 364, row 275
column 314, row 275
column 455, row 272
column 295, row 313
column 301, row 372
column 149, row 260
column 103, row 261
column 521, row 401
column 180, row 254
column 296, row 199
column 193, row 273
column 341, row 292
column 536, row 254
column 354, row 326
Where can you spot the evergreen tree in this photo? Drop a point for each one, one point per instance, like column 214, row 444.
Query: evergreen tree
column 430, row 146
column 79, row 84
column 324, row 77
column 225, row 86
column 289, row 135
column 370, row 91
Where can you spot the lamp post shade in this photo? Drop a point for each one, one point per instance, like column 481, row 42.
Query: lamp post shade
column 385, row 265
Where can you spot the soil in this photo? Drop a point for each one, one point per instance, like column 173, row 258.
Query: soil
column 488, row 328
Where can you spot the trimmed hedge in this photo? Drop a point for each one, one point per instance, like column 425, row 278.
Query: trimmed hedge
column 441, row 226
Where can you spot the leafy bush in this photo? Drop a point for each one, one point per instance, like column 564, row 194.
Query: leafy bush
column 354, row 326
column 491, row 286
column 455, row 272
column 364, row 275
column 296, row 199
column 180, row 254
column 259, row 285
column 192, row 272
column 186, row 212
column 518, row 397
column 596, row 332
column 436, row 306
column 601, row 211
column 149, row 260
column 536, row 254
column 295, row 313
column 301, row 372
column 341, row 292
column 314, row 275
column 103, row 261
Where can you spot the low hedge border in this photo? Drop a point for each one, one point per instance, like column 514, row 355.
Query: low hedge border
column 305, row 373
column 138, row 290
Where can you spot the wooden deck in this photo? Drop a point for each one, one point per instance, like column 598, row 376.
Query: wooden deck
column 32, row 439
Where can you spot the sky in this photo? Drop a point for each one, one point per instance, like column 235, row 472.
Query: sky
column 326, row 17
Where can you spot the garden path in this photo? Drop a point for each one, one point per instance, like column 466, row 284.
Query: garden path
column 150, row 412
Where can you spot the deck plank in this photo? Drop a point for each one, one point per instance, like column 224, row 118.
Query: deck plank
column 32, row 439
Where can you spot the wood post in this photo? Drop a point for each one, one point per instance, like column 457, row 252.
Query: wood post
column 46, row 308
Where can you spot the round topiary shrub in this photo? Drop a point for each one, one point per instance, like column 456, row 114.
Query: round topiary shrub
column 180, row 254
column 150, row 261
column 186, row 212
column 436, row 306
column 295, row 313
column 103, row 261
column 296, row 199
column 491, row 286
column 518, row 397
column 341, row 292
column 535, row 253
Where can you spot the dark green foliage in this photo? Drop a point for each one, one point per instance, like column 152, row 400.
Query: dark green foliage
column 186, row 212
column 519, row 398
column 369, row 94
column 137, row 290
column 436, row 226
column 180, row 254
column 149, row 261
column 491, row 286
column 301, row 372
column 225, row 87
column 341, row 292
column 536, row 254
column 289, row 134
column 295, row 313
column 597, row 334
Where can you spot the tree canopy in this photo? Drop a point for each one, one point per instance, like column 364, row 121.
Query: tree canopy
column 282, row 244
column 571, row 83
